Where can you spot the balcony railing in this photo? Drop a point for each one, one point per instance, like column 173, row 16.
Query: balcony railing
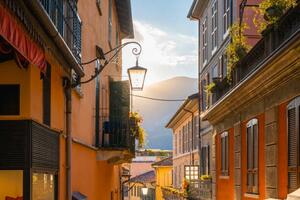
column 118, row 135
column 64, row 16
column 273, row 39
column 172, row 194
column 205, row 189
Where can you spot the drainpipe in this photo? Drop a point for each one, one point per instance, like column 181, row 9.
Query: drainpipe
column 68, row 94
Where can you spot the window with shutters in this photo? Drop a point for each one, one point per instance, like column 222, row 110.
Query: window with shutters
column 252, row 156
column 205, row 161
column 214, row 26
column 190, row 135
column 179, row 142
column 293, row 128
column 204, row 41
column 226, row 17
column 47, row 96
column 196, row 132
column 203, row 94
column 183, row 139
column 224, row 154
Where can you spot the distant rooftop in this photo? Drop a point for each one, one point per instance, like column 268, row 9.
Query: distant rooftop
column 144, row 159
column 147, row 177
column 164, row 162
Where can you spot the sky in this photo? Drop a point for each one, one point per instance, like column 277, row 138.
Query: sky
column 168, row 39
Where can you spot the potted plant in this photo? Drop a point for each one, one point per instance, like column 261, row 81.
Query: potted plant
column 139, row 133
column 238, row 47
column 271, row 11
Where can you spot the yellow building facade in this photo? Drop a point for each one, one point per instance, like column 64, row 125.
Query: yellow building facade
column 163, row 176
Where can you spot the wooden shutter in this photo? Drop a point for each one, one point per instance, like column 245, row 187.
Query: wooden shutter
column 293, row 145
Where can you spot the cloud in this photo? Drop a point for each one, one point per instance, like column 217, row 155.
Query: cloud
column 165, row 54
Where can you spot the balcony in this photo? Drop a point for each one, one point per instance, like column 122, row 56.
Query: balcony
column 205, row 189
column 117, row 143
column 64, row 16
column 274, row 40
column 172, row 194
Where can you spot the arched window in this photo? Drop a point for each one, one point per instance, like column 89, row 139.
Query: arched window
column 252, row 156
column 293, row 127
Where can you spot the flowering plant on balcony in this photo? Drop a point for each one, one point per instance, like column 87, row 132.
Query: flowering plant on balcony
column 138, row 132
column 238, row 47
column 271, row 11
column 205, row 177
column 210, row 88
column 186, row 186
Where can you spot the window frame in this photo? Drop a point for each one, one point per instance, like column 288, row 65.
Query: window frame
column 205, row 41
column 224, row 144
column 293, row 168
column 110, row 24
column 214, row 26
column 205, row 161
column 252, row 157
column 227, row 11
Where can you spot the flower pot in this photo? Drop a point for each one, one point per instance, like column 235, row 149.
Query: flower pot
column 273, row 12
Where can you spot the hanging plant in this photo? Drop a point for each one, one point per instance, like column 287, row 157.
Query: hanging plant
column 138, row 131
column 238, row 47
column 271, row 11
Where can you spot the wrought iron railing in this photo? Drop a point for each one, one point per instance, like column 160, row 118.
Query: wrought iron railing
column 118, row 134
column 64, row 16
column 205, row 191
column 273, row 39
column 172, row 194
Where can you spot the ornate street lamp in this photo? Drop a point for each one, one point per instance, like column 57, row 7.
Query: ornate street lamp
column 145, row 190
column 137, row 77
column 136, row 74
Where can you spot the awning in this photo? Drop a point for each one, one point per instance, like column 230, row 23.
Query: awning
column 14, row 34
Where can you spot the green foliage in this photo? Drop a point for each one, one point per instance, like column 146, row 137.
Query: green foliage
column 238, row 47
column 209, row 88
column 138, row 131
column 271, row 10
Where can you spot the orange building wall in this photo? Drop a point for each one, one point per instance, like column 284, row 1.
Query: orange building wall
column 225, row 184
column 261, row 158
column 95, row 179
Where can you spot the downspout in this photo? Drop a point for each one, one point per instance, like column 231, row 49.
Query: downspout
column 68, row 94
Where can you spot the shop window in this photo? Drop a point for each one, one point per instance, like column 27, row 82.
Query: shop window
column 293, row 117
column 43, row 186
column 252, row 156
column 11, row 184
column 10, row 99
column 205, row 164
column 224, row 154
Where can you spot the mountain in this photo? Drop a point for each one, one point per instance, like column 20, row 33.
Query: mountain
column 157, row 113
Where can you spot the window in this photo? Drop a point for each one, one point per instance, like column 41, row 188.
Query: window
column 223, row 65
column 252, row 156
column 180, row 142
column 196, row 131
column 226, row 17
column 205, row 165
column 43, row 186
column 110, row 7
column 203, row 92
column 175, row 144
column 204, row 41
column 214, row 26
column 224, row 154
column 10, row 100
column 215, row 71
column 190, row 140
column 47, row 96
column 293, row 116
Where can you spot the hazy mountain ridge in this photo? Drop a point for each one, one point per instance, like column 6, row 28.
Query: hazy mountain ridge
column 157, row 113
